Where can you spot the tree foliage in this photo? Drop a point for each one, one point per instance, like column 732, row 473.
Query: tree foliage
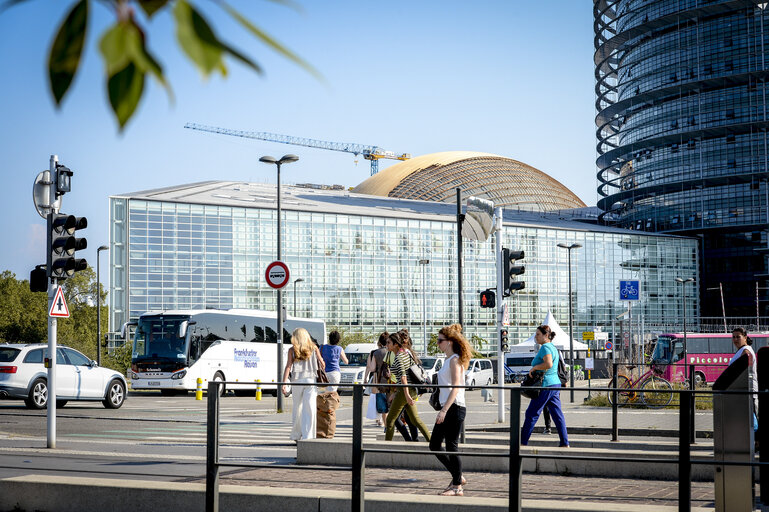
column 350, row 337
column 126, row 54
column 24, row 314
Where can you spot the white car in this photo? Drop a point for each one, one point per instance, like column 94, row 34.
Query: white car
column 432, row 365
column 23, row 375
column 479, row 372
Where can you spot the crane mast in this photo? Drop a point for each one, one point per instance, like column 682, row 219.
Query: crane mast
column 372, row 153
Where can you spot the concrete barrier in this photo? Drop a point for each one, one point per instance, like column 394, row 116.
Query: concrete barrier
column 338, row 452
column 69, row 494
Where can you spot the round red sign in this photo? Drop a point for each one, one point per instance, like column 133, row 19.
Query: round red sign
column 277, row 275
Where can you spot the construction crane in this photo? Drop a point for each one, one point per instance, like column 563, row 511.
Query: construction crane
column 373, row 153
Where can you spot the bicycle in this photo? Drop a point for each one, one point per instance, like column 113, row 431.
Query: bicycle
column 653, row 390
column 579, row 374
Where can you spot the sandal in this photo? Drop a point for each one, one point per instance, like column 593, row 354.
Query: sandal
column 452, row 491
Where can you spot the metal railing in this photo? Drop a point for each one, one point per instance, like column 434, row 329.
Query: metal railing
column 514, row 455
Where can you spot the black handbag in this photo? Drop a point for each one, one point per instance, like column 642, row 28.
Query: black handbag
column 535, row 381
column 435, row 400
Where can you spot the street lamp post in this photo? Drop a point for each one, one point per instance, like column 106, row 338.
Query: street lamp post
column 98, row 305
column 299, row 280
column 286, row 159
column 424, row 264
column 683, row 282
column 571, row 322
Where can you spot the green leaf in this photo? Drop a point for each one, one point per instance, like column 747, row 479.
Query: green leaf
column 198, row 40
column 67, row 47
column 271, row 42
column 125, row 89
column 241, row 57
column 124, row 44
column 150, row 7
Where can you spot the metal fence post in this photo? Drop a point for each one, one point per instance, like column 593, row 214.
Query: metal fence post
column 692, row 427
column 684, row 453
column 516, row 467
column 763, row 440
column 212, row 449
column 615, row 397
column 358, row 461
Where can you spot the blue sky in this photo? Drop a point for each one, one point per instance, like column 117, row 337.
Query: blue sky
column 511, row 77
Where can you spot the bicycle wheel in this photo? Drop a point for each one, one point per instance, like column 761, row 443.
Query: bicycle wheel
column 656, row 392
column 623, row 397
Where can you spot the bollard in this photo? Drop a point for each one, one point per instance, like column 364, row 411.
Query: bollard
column 199, row 390
column 258, row 389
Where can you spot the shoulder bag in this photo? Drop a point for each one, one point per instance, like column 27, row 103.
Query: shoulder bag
column 417, row 372
column 535, row 381
column 320, row 373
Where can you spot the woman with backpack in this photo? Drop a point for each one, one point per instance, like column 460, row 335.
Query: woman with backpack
column 545, row 362
column 405, row 397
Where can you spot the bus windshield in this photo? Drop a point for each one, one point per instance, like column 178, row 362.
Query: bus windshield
column 662, row 350
column 157, row 337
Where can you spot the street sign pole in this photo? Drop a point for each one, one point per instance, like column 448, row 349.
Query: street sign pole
column 52, row 322
column 500, row 318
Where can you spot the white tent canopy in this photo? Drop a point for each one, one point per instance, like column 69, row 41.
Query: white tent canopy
column 561, row 339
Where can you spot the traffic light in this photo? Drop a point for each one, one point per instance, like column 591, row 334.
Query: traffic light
column 38, row 280
column 488, row 299
column 511, row 269
column 503, row 345
column 62, row 244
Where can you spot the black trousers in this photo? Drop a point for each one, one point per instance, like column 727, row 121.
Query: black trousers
column 448, row 431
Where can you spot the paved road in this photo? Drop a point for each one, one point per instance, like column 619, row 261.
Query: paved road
column 163, row 438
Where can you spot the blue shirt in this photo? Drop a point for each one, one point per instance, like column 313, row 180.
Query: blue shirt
column 331, row 354
column 551, row 375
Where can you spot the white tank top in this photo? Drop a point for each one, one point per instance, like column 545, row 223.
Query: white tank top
column 444, row 379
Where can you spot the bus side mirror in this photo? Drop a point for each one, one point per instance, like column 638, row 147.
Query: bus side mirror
column 183, row 329
column 124, row 329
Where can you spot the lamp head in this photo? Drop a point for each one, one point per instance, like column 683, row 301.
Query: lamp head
column 299, row 280
column 287, row 159
column 268, row 160
column 102, row 248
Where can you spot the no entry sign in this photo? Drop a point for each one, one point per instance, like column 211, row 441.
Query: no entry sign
column 276, row 275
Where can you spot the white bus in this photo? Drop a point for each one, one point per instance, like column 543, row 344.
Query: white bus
column 171, row 349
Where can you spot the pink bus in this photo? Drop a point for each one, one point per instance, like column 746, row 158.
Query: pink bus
column 709, row 353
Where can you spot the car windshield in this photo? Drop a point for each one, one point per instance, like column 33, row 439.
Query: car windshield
column 356, row 359
column 428, row 363
column 157, row 337
column 8, row 354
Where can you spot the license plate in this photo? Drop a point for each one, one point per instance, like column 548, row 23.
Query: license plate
column 153, row 383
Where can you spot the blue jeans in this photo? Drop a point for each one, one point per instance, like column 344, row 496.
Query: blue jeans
column 550, row 397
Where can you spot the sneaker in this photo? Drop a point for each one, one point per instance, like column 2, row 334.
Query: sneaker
column 547, row 431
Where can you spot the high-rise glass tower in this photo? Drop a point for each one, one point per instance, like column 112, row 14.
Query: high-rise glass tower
column 682, row 134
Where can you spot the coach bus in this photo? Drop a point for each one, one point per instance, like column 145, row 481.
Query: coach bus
column 709, row 353
column 171, row 349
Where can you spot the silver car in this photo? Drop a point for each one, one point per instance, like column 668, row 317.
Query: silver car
column 23, row 375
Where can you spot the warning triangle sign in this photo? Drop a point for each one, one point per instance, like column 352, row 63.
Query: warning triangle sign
column 59, row 307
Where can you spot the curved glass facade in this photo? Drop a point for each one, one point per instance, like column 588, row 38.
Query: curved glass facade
column 682, row 133
column 205, row 247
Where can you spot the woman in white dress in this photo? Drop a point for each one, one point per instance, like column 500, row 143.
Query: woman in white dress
column 304, row 359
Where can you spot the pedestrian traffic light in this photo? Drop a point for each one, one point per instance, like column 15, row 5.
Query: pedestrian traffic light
column 511, row 269
column 488, row 299
column 503, row 345
column 62, row 244
column 38, row 280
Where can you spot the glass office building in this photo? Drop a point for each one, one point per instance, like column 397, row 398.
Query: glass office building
column 682, row 133
column 207, row 246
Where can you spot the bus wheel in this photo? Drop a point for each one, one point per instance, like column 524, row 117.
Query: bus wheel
column 219, row 377
column 699, row 380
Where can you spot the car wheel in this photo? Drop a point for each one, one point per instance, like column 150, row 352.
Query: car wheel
column 60, row 403
column 219, row 377
column 115, row 395
column 38, row 395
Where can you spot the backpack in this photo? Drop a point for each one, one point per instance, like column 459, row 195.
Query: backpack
column 383, row 375
column 563, row 375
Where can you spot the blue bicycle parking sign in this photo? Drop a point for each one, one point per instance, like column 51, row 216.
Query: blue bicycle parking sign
column 630, row 289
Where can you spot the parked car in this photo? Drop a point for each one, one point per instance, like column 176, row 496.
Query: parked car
column 355, row 369
column 479, row 372
column 432, row 365
column 24, row 376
